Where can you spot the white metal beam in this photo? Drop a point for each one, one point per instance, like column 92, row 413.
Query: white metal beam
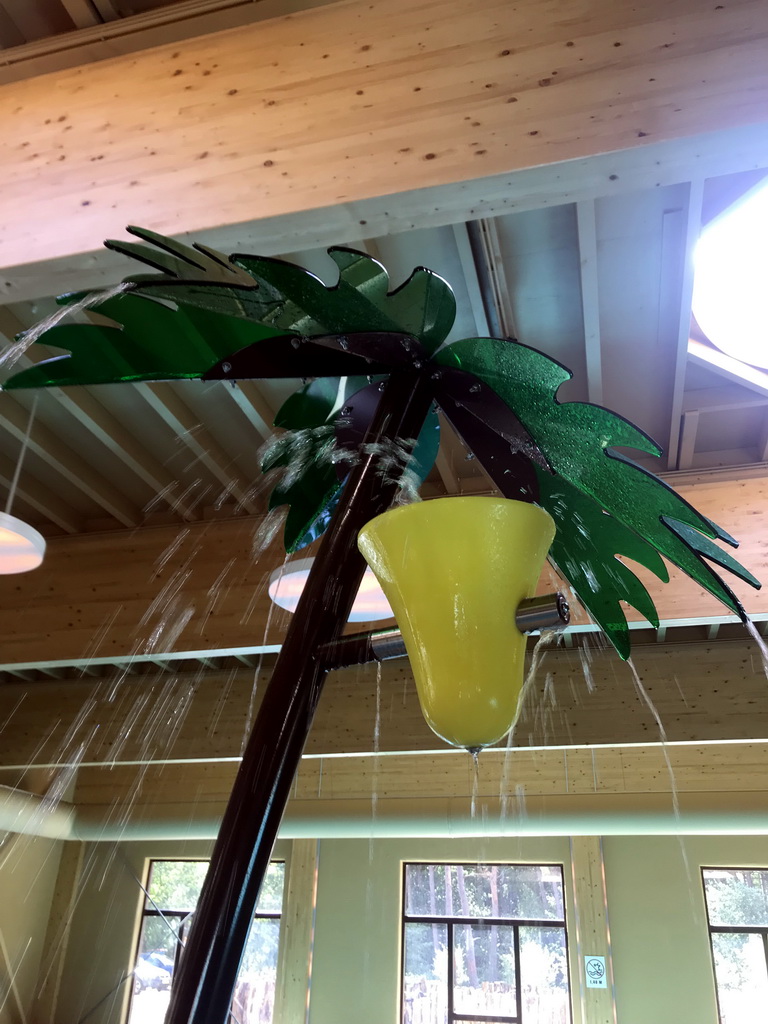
column 590, row 299
column 726, row 366
column 677, row 268
column 190, row 432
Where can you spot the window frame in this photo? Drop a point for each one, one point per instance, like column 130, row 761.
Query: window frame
column 183, row 916
column 735, row 929
column 453, row 920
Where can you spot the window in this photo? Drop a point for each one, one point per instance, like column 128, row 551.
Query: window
column 173, row 890
column 484, row 942
column 737, row 909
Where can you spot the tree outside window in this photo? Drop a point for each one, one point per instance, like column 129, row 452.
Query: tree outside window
column 484, row 942
column 737, row 909
column 172, row 892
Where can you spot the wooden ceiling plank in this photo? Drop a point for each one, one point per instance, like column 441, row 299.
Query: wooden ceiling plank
column 586, row 227
column 696, row 710
column 190, row 432
column 726, row 366
column 91, row 580
column 47, row 445
column 677, row 279
column 40, row 498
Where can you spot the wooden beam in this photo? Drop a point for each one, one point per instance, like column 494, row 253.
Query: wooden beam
column 613, row 780
column 340, row 117
column 297, row 926
column 702, row 693
column 593, row 937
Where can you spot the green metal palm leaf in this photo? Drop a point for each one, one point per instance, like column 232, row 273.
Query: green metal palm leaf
column 204, row 314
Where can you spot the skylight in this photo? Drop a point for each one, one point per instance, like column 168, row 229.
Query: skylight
column 730, row 292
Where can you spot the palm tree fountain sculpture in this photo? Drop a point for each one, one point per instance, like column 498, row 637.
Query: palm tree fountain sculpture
column 377, row 367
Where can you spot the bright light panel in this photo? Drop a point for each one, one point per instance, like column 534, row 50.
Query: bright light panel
column 287, row 583
column 21, row 547
column 730, row 292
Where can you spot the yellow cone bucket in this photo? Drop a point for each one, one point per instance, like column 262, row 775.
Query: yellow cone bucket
column 454, row 571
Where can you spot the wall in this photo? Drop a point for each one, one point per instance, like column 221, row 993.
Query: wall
column 104, row 928
column 661, row 960
column 28, row 870
column 356, row 967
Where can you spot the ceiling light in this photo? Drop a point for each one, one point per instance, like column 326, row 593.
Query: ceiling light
column 287, row 583
column 21, row 546
column 731, row 267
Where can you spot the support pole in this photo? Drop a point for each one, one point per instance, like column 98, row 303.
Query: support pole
column 205, row 980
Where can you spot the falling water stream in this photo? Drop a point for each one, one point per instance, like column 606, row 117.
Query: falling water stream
column 11, row 355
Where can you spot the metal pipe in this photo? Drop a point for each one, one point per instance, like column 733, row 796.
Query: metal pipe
column 33, row 815
column 550, row 611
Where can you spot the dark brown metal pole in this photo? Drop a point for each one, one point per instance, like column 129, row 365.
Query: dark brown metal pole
column 203, row 986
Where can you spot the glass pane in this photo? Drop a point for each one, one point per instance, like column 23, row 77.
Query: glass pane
column 736, row 896
column 742, row 978
column 271, row 895
column 484, row 970
column 175, row 884
column 254, row 997
column 544, row 972
column 425, row 974
column 512, row 891
column 153, row 972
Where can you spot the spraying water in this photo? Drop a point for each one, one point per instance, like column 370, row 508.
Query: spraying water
column 19, row 348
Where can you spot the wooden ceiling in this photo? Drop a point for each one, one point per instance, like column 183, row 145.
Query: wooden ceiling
column 589, row 258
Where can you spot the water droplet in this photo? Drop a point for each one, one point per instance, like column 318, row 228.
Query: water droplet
column 436, row 375
column 226, row 367
column 343, row 343
column 417, row 364
column 347, row 410
column 475, row 389
column 295, row 342
column 469, row 456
